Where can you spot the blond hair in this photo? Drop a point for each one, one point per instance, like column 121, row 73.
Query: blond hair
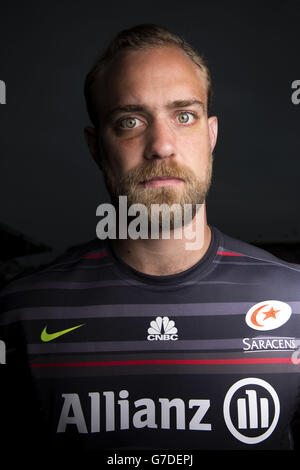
column 136, row 38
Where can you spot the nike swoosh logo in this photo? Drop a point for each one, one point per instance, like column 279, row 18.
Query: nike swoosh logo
column 50, row 336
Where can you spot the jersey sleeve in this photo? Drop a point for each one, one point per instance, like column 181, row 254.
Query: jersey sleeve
column 19, row 411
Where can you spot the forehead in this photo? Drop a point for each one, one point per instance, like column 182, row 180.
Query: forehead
column 150, row 77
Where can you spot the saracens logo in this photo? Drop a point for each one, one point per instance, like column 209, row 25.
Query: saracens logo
column 163, row 329
column 268, row 315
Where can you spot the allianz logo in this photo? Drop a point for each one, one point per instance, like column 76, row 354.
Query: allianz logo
column 162, row 329
column 251, row 410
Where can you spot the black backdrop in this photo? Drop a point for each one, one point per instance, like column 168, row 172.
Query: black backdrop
column 50, row 187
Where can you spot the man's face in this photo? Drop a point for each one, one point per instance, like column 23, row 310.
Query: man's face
column 155, row 142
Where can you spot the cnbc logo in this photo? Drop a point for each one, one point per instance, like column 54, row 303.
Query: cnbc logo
column 162, row 329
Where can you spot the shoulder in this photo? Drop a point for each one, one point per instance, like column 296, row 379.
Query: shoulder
column 240, row 252
column 62, row 267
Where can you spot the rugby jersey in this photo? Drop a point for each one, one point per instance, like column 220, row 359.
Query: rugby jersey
column 101, row 356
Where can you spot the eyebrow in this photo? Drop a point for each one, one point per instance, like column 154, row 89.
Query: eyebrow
column 128, row 108
column 185, row 103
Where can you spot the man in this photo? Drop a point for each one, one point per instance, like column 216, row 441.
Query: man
column 141, row 343
column 164, row 155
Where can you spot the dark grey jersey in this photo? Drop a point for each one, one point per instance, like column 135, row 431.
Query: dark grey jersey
column 111, row 358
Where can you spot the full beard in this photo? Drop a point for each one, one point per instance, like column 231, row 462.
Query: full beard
column 193, row 191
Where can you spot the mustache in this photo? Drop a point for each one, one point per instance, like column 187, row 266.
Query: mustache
column 153, row 170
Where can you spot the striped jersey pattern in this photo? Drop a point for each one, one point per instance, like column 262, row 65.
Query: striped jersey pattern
column 111, row 358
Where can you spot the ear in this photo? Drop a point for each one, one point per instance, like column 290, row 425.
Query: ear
column 91, row 138
column 213, row 131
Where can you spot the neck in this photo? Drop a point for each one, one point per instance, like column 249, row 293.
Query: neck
column 164, row 257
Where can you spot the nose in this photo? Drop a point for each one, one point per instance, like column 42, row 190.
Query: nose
column 160, row 142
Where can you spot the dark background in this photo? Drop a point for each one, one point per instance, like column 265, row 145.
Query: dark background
column 50, row 186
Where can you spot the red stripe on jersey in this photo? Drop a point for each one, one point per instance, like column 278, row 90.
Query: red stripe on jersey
column 96, row 255
column 260, row 360
column 228, row 253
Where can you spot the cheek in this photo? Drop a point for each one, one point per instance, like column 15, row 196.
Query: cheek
column 124, row 155
column 196, row 149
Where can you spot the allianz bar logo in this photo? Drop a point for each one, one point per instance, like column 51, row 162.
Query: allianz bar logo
column 250, row 409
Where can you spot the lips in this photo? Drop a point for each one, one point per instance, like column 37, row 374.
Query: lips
column 162, row 178
column 163, row 181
